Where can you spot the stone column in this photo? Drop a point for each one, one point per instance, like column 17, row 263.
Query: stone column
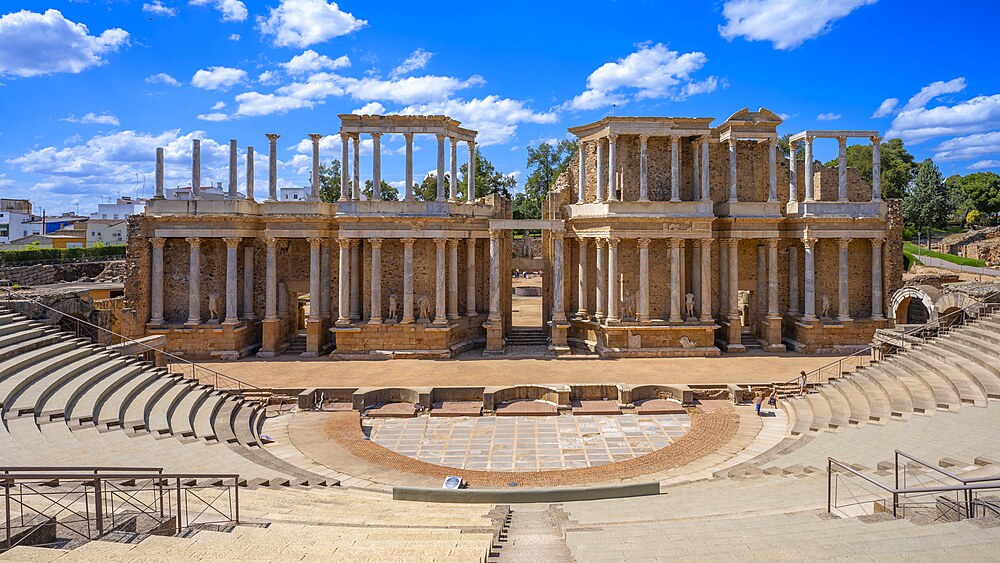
column 315, row 291
column 675, row 280
column 195, row 169
column 601, row 283
column 613, row 297
column 581, row 173
column 877, row 279
column 345, row 167
column 453, row 279
column 344, row 283
column 793, row 186
column 453, row 180
column 272, row 167
column 695, row 171
column 356, row 168
column 248, row 292
column 355, row 313
column 876, row 168
column 581, row 287
column 732, row 171
column 324, row 274
column 408, row 280
column 706, row 280
column 250, row 177
column 675, row 168
column 793, row 280
column 643, row 168
column 159, row 173
column 612, row 167
column 156, row 278
column 470, row 277
column 843, row 291
column 723, row 279
column 809, row 307
column 375, row 316
column 232, row 270
column 558, row 278
column 809, row 170
column 706, row 189
column 734, row 277
column 495, row 314
column 772, row 278
column 440, row 301
column 194, row 281
column 232, row 172
column 601, row 176
column 772, row 170
column 314, row 174
column 409, row 167
column 271, row 280
column 376, row 166
column 441, row 195
column 842, row 168
column 696, row 274
column 643, row 315
column 470, row 188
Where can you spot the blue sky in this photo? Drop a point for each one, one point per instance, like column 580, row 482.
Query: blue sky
column 88, row 88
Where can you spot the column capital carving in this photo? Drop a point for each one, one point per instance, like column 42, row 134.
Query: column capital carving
column 496, row 234
column 314, row 241
column 315, row 138
column 471, row 242
column 676, row 242
column 453, row 243
column 375, row 242
column 731, row 243
column 357, row 140
column 643, row 242
column 344, row 242
column 772, row 243
column 408, row 242
column 353, row 242
column 454, row 141
column 877, row 241
column 193, row 241
column 233, row 242
column 706, row 243
column 408, row 136
column 876, row 139
column 842, row 139
column 843, row 242
column 558, row 234
column 644, row 138
column 440, row 137
column 809, row 243
column 376, row 135
column 157, row 242
column 440, row 242
column 613, row 242
column 271, row 242
column 344, row 136
column 612, row 137
column 582, row 241
column 272, row 137
column 808, row 139
column 675, row 138
column 472, row 145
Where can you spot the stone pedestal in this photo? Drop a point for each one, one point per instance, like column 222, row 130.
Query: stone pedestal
column 734, row 336
column 316, row 331
column 270, row 338
column 494, row 338
column 560, row 335
column 772, row 334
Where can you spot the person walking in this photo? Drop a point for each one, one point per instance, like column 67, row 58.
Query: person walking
column 772, row 401
column 802, row 383
column 757, row 400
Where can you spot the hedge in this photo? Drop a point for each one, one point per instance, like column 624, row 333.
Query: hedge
column 40, row 255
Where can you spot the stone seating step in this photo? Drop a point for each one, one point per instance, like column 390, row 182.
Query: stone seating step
column 878, row 401
column 63, row 395
column 983, row 377
column 161, row 412
column 971, row 349
column 132, row 413
column 182, row 416
column 803, row 415
column 965, row 388
column 916, row 390
column 84, row 405
column 34, row 351
column 840, row 409
column 222, row 420
column 31, row 396
column 393, row 410
column 11, row 386
column 944, row 395
column 201, row 421
column 245, row 423
column 820, row 407
column 115, row 399
column 659, row 406
column 900, row 403
column 583, row 407
column 457, row 408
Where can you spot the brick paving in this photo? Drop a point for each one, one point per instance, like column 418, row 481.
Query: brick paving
column 708, row 432
column 595, row 407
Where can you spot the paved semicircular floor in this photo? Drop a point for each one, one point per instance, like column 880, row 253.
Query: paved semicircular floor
column 524, row 443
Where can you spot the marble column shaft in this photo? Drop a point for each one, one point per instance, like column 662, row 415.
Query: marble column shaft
column 643, row 167
column 195, row 169
column 706, row 280
column 612, row 167
column 324, row 281
column 159, row 174
column 453, row 179
column 495, row 314
column 376, row 166
column 249, row 171
column 842, row 168
column 582, row 311
column 345, row 168
column 271, row 280
column 375, row 313
column 706, row 189
column 696, row 273
column 809, row 170
column 314, row 278
column 272, row 167
column 793, row 280
column 601, row 175
column 233, row 171
column 772, row 278
column 809, row 277
column 734, row 277
column 409, row 166
column 843, row 291
column 232, row 280
column 643, row 316
column 732, row 171
column 470, row 277
column 675, row 280
column 723, row 279
column 344, row 283
column 453, row 279
column 613, row 296
column 876, row 168
column 793, row 186
column 356, row 169
column 440, row 286
column 408, row 280
column 877, row 279
column 156, row 281
column 314, row 176
column 558, row 278
column 441, row 195
column 355, row 291
column 772, row 170
column 194, row 281
column 600, row 283
column 581, row 173
column 675, row 168
column 470, row 188
column 248, row 292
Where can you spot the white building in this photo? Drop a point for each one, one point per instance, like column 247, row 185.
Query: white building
column 293, row 194
column 15, row 220
column 105, row 231
column 207, row 192
column 121, row 209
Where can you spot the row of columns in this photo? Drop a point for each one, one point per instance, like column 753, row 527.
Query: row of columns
column 843, row 280
column 810, row 195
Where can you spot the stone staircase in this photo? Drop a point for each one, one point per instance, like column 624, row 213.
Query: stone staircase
column 527, row 336
column 296, row 346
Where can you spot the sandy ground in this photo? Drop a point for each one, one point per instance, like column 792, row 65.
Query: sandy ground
column 526, row 311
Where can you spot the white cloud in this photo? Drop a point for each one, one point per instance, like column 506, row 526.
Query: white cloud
column 785, row 23
column 255, row 103
column 157, row 8
column 5, row 182
column 917, row 122
column 215, row 116
column 163, row 78
column 887, row 107
column 311, row 61
column 372, row 108
column 301, row 23
column 828, row 116
column 969, row 147
column 219, row 105
column 787, row 116
column 984, row 164
column 654, row 71
column 495, row 118
column 103, row 119
column 33, row 44
column 231, row 10
column 218, row 78
column 268, row 78
column 234, row 36
column 417, row 60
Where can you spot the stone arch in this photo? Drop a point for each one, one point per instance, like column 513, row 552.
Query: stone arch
column 900, row 301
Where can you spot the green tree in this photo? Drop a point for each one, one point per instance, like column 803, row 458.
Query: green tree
column 489, row 180
column 329, row 182
column 897, row 165
column 983, row 192
column 389, row 193
column 927, row 204
column 545, row 164
column 800, row 148
column 427, row 189
column 959, row 202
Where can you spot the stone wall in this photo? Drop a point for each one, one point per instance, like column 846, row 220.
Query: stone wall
column 45, row 274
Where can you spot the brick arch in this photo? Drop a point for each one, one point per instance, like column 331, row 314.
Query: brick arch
column 924, row 293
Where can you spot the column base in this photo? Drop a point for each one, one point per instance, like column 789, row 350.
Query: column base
column 270, row 338
column 343, row 323
column 773, row 335
column 560, row 334
column 494, row 338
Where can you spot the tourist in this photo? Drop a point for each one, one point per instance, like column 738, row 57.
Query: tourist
column 802, row 383
column 772, row 401
column 757, row 400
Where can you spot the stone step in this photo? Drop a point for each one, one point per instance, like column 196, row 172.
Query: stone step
column 965, row 388
column 900, row 404
column 945, row 396
column 987, row 380
column 919, row 394
column 29, row 398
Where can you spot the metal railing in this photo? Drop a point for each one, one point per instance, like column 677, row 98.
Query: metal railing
column 850, row 493
column 86, row 503
column 175, row 363
column 850, row 363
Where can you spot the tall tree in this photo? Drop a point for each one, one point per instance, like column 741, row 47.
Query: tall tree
column 897, row 165
column 388, row 192
column 927, row 204
column 329, row 181
column 545, row 163
column 983, row 191
column 489, row 180
column 783, row 144
column 427, row 189
column 959, row 202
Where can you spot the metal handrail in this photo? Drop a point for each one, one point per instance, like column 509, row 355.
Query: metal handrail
column 875, row 350
column 68, row 468
column 240, row 385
